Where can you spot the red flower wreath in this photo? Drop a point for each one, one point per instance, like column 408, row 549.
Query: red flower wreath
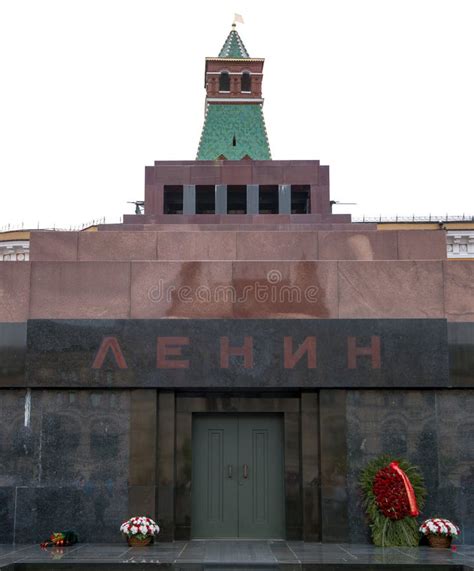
column 393, row 493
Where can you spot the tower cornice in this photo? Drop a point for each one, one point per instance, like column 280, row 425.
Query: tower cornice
column 239, row 60
column 229, row 100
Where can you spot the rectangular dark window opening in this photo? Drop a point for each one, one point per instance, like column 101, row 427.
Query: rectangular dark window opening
column 300, row 199
column 268, row 199
column 237, row 199
column 205, row 199
column 173, row 199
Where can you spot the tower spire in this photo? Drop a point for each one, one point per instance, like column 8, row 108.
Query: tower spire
column 234, row 46
column 234, row 127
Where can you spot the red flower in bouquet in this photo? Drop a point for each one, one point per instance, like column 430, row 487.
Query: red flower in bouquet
column 390, row 494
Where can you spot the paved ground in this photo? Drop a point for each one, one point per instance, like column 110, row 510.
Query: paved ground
column 263, row 555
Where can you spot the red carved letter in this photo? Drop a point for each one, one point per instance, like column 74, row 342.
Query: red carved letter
column 170, row 346
column 246, row 351
column 373, row 351
column 112, row 344
column 308, row 346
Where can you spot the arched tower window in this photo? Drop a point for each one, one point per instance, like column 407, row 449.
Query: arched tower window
column 224, row 81
column 246, row 82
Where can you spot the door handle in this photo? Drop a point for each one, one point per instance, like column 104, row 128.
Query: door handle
column 229, row 471
column 246, row 471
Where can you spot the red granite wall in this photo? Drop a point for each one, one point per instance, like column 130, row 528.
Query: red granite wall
column 234, row 173
column 14, row 291
column 237, row 274
column 231, row 244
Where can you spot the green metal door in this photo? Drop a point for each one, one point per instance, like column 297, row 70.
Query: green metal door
column 237, row 480
column 261, row 488
column 214, row 490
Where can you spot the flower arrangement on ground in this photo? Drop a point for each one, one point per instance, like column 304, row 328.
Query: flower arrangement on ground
column 61, row 539
column 439, row 531
column 393, row 496
column 139, row 530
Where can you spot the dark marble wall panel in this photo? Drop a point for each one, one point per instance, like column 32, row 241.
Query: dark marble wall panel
column 89, row 429
column 310, row 466
column 461, row 354
column 293, row 503
column 166, row 464
column 455, row 494
column 143, row 425
column 7, row 514
column 432, row 429
column 12, row 354
column 142, row 469
column 65, row 455
column 40, row 510
column 401, row 423
column 19, row 439
column 192, row 354
column 334, row 496
column 142, row 501
column 183, row 501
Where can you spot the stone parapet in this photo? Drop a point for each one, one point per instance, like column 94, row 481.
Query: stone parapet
column 234, row 243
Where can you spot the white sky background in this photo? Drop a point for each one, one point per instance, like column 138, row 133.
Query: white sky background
column 91, row 91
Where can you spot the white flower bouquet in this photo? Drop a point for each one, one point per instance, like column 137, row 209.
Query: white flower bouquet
column 438, row 526
column 439, row 532
column 139, row 530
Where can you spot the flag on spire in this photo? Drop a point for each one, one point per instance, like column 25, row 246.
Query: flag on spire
column 238, row 18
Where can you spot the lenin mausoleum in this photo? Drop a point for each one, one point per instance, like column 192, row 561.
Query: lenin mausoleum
column 228, row 360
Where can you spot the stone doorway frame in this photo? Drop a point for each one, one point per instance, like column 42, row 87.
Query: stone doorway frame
column 161, row 455
column 288, row 406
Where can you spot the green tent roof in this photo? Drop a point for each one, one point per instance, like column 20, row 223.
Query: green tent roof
column 234, row 131
column 233, row 46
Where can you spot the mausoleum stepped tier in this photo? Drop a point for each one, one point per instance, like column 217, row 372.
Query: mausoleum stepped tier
column 357, row 274
column 237, row 192
column 157, row 243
